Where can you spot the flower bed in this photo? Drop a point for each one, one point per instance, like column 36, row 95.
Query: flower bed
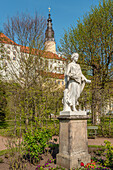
column 88, row 166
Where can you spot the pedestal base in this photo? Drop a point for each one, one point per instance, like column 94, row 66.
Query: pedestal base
column 73, row 143
column 73, row 161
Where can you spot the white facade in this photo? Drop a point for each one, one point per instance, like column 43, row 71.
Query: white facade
column 10, row 61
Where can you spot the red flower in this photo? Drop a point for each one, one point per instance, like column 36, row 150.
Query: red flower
column 91, row 166
column 82, row 164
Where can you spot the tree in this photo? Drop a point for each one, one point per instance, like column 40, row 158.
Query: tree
column 92, row 38
column 3, row 101
column 23, row 64
column 32, row 88
column 28, row 32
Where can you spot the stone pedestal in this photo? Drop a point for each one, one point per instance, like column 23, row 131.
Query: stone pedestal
column 73, row 142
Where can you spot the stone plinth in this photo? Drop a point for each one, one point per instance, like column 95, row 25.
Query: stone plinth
column 70, row 113
column 73, row 142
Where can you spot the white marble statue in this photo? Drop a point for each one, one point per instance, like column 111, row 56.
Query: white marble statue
column 75, row 82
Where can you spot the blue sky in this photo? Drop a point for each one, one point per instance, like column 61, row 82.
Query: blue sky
column 63, row 12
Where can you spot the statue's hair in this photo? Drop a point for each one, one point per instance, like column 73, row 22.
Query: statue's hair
column 73, row 55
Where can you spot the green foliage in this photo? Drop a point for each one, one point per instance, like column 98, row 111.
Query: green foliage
column 108, row 154
column 105, row 128
column 3, row 101
column 100, row 151
column 1, row 160
column 92, row 39
column 35, row 141
column 104, row 155
column 88, row 166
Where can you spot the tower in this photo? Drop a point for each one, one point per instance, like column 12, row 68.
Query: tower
column 50, row 44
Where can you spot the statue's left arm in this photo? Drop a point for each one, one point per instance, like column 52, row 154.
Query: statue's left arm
column 83, row 78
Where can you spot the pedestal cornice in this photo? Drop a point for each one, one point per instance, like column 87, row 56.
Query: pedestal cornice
column 73, row 117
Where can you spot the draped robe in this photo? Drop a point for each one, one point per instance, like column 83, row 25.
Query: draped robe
column 75, row 83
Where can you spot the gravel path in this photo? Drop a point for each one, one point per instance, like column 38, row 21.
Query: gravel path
column 96, row 141
column 99, row 141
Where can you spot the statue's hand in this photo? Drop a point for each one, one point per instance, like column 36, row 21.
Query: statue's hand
column 88, row 81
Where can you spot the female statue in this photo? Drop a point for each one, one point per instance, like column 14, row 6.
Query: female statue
column 75, row 82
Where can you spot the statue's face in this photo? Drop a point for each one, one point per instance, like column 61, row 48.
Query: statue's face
column 76, row 57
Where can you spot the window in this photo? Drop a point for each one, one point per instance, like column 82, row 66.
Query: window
column 2, row 56
column 50, row 66
column 55, row 68
column 14, row 48
column 8, row 47
column 46, row 63
column 14, row 58
column 8, row 52
column 14, row 52
column 8, row 57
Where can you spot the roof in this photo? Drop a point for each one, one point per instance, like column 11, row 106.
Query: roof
column 4, row 39
column 49, row 55
column 44, row 54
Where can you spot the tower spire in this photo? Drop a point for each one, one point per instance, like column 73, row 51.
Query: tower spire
column 49, row 34
column 50, row 44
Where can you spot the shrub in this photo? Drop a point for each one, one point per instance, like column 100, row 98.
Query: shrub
column 108, row 154
column 35, row 141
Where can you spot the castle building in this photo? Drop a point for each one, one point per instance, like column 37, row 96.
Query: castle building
column 55, row 63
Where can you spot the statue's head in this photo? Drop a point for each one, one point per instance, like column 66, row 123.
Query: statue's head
column 75, row 56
